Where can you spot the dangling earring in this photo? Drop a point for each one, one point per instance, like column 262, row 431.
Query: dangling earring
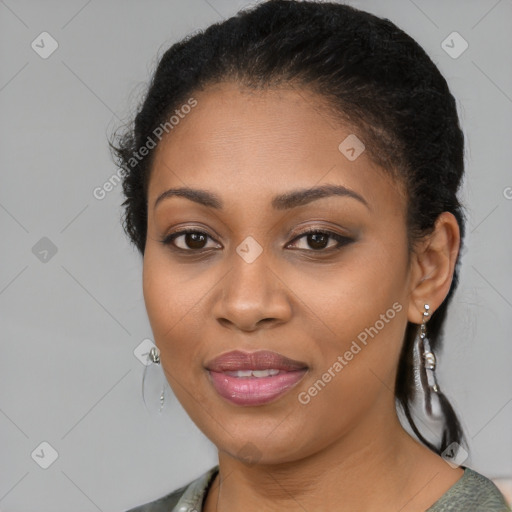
column 155, row 388
column 425, row 377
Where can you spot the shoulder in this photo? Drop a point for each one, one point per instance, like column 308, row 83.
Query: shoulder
column 472, row 493
column 190, row 494
column 165, row 503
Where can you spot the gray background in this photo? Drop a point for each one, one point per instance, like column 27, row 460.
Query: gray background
column 70, row 323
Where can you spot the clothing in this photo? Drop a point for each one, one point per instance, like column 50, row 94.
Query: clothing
column 473, row 492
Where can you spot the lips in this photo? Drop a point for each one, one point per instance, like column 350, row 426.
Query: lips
column 255, row 378
column 261, row 360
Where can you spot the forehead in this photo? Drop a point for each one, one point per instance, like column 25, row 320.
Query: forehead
column 241, row 141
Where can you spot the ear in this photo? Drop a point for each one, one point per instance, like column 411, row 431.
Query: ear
column 432, row 267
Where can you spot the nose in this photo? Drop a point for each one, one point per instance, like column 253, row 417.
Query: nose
column 252, row 295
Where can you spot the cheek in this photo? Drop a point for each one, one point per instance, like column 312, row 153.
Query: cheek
column 356, row 311
column 172, row 308
column 158, row 289
column 170, row 291
column 171, row 301
column 346, row 298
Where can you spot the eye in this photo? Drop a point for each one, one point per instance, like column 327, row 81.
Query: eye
column 318, row 240
column 190, row 240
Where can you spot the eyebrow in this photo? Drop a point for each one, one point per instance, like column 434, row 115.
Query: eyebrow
column 288, row 200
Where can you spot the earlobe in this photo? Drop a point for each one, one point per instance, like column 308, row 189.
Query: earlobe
column 433, row 266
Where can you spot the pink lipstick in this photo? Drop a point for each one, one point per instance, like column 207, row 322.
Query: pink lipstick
column 254, row 378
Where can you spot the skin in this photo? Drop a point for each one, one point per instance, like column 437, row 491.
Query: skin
column 345, row 450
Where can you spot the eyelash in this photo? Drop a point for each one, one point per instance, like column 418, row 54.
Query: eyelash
column 342, row 240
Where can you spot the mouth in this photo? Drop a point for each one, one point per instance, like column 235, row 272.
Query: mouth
column 256, row 378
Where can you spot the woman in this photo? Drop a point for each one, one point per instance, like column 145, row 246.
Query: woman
column 291, row 180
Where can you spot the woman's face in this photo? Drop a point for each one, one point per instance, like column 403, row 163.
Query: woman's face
column 249, row 279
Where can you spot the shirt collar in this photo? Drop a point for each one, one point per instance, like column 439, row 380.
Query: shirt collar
column 192, row 499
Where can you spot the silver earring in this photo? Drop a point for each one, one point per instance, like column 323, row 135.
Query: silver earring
column 427, row 389
column 155, row 388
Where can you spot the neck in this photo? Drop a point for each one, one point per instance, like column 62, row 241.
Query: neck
column 373, row 464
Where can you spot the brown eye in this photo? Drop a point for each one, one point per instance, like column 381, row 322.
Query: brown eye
column 194, row 240
column 187, row 240
column 317, row 240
